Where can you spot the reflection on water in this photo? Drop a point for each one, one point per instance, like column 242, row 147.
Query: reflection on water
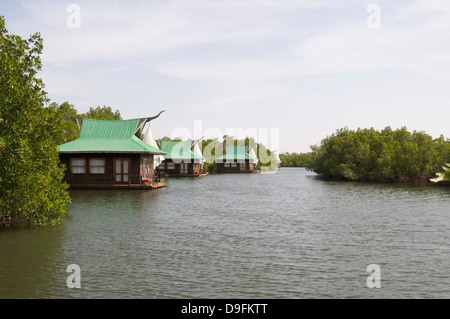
column 284, row 235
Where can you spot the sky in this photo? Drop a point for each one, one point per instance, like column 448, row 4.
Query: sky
column 286, row 72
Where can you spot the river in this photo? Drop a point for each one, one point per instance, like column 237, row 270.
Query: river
column 285, row 235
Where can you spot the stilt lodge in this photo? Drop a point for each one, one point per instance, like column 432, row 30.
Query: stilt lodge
column 181, row 160
column 236, row 160
column 108, row 154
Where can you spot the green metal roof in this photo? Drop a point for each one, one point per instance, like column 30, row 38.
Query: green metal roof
column 235, row 153
column 108, row 136
column 179, row 150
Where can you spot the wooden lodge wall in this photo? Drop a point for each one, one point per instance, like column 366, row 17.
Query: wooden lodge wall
column 136, row 169
column 174, row 169
column 223, row 168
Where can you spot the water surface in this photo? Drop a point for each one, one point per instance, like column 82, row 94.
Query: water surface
column 284, row 235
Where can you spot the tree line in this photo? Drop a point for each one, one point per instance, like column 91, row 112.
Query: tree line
column 372, row 155
column 295, row 159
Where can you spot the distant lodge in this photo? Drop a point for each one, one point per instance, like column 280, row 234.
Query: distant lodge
column 237, row 160
column 180, row 160
column 108, row 154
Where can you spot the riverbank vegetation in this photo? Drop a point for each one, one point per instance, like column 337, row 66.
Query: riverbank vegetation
column 296, row 159
column 68, row 130
column 379, row 156
column 31, row 191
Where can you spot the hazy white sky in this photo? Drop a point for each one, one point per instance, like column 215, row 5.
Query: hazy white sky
column 300, row 68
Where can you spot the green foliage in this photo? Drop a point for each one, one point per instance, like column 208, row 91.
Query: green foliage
column 213, row 148
column 442, row 176
column 296, row 160
column 371, row 155
column 102, row 113
column 31, row 187
column 68, row 130
column 165, row 138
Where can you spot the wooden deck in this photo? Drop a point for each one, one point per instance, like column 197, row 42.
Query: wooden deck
column 224, row 171
column 160, row 184
column 188, row 175
column 155, row 185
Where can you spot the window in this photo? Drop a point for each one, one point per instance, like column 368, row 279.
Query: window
column 234, row 164
column 242, row 166
column 97, row 166
column 183, row 168
column 78, row 165
column 226, row 164
column 170, row 165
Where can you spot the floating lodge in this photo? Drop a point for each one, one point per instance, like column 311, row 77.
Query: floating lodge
column 237, row 159
column 181, row 160
column 108, row 154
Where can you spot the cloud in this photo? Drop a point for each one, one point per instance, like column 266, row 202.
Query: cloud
column 118, row 30
column 406, row 42
column 241, row 41
column 272, row 62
